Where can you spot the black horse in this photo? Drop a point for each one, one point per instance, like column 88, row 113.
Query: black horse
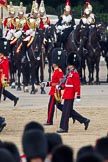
column 83, row 35
column 103, row 34
column 50, row 37
column 93, row 55
column 36, row 53
column 22, row 64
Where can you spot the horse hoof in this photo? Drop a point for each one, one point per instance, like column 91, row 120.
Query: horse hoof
column 32, row 92
column 13, row 87
column 18, row 88
column 43, row 92
column 26, row 89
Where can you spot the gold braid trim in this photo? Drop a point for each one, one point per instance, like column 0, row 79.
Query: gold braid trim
column 30, row 42
column 13, row 41
column 18, row 48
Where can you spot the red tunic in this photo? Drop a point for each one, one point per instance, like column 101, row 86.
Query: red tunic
column 57, row 75
column 4, row 68
column 44, row 21
column 9, row 23
column 72, row 85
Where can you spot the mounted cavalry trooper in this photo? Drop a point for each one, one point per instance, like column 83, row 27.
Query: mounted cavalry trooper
column 32, row 24
column 20, row 24
column 88, row 18
column 65, row 23
column 9, row 23
column 43, row 20
column 30, row 27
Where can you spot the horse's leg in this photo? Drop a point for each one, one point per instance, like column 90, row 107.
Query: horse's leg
column 25, row 71
column 42, row 66
column 19, row 76
column 33, row 76
column 92, row 71
column 89, row 71
column 37, row 75
column 97, row 73
column 106, row 60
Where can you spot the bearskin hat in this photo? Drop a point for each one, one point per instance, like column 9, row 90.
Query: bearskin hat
column 34, row 144
column 53, row 140
column 33, row 126
column 62, row 153
column 59, row 57
column 73, row 59
column 12, row 148
column 5, row 155
column 4, row 46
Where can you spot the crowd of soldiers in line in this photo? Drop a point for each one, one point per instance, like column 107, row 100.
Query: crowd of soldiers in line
column 41, row 146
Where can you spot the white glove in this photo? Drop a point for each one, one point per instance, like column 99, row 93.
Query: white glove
column 78, row 99
column 45, row 84
column 57, row 87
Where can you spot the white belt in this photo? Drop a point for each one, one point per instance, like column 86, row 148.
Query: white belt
column 68, row 85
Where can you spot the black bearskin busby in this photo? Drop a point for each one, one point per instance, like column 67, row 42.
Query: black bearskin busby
column 53, row 140
column 5, row 155
column 12, row 148
column 59, row 57
column 73, row 59
column 62, row 153
column 4, row 46
column 33, row 125
column 34, row 144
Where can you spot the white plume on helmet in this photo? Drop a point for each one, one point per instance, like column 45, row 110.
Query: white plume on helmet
column 34, row 7
column 42, row 7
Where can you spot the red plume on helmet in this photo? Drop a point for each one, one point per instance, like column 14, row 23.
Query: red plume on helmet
column 68, row 6
column 87, row 3
column 68, row 2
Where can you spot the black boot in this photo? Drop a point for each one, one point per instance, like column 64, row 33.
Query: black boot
column 2, row 123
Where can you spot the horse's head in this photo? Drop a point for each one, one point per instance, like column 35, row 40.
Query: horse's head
column 102, row 30
column 84, row 32
column 37, row 47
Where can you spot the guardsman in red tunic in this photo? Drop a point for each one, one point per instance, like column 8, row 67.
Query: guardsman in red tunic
column 58, row 62
column 44, row 20
column 9, row 23
column 71, row 91
column 4, row 77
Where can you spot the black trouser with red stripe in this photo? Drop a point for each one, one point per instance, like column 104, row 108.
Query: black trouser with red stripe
column 51, row 108
column 68, row 111
column 7, row 94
